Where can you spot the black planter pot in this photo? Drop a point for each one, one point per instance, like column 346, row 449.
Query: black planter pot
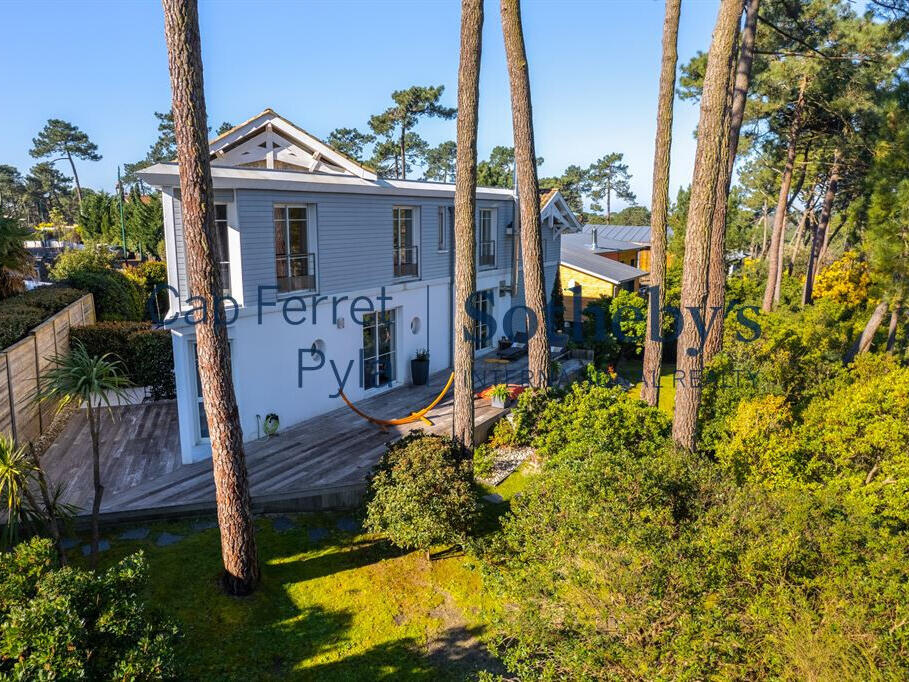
column 419, row 372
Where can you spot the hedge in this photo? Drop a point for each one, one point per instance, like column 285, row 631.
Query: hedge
column 22, row 313
column 146, row 353
column 116, row 296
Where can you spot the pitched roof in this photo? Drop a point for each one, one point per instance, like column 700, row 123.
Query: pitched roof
column 629, row 233
column 604, row 245
column 556, row 212
column 580, row 257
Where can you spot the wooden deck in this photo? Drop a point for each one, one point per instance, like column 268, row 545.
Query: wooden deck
column 140, row 453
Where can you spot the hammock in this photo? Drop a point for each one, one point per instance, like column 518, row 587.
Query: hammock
column 419, row 415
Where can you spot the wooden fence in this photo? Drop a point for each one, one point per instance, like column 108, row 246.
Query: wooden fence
column 24, row 363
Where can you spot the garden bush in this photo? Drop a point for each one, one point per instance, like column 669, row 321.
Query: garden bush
column 526, row 414
column 23, row 312
column 149, row 275
column 421, row 493
column 484, row 457
column 74, row 261
column 116, row 296
column 68, row 624
column 147, row 354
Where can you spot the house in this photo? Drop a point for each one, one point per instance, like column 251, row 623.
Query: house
column 633, row 242
column 335, row 277
column 596, row 265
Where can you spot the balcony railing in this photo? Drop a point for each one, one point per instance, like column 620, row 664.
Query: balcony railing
column 486, row 254
column 407, row 261
column 297, row 272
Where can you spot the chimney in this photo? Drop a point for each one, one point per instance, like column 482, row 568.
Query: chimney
column 593, row 243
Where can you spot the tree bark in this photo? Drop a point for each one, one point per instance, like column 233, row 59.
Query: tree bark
column 653, row 346
column 238, row 541
column 765, row 230
column 800, row 231
column 863, row 345
column 711, row 135
column 820, row 233
column 528, row 192
column 465, row 274
column 72, row 165
column 779, row 218
column 403, row 152
column 891, row 330
column 716, row 277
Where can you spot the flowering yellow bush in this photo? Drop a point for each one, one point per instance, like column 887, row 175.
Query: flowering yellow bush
column 846, row 280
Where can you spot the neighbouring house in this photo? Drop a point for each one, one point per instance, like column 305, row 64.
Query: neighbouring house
column 599, row 265
column 335, row 276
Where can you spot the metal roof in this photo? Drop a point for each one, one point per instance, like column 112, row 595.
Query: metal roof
column 581, row 257
column 585, row 239
column 628, row 233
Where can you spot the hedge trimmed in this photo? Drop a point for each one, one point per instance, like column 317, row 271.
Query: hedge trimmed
column 116, row 296
column 147, row 354
column 21, row 313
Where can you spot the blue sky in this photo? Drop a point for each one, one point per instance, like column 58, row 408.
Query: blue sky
column 594, row 66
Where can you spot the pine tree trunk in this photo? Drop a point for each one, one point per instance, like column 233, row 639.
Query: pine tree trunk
column 863, row 345
column 528, row 192
column 403, row 153
column 800, row 230
column 891, row 330
column 238, row 542
column 716, row 277
column 700, row 214
column 94, row 427
column 779, row 218
column 819, row 238
column 653, row 346
column 465, row 274
column 764, row 231
column 72, row 165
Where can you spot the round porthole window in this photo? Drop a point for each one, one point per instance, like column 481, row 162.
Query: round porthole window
column 318, row 346
column 415, row 325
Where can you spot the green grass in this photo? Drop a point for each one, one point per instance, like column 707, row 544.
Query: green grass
column 632, row 370
column 349, row 607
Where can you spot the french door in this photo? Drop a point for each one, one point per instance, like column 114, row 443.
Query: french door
column 379, row 349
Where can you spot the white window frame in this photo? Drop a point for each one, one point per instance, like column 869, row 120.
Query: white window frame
column 415, row 241
column 196, row 378
column 493, row 218
column 488, row 302
column 224, row 246
column 311, row 243
column 445, row 229
column 392, row 355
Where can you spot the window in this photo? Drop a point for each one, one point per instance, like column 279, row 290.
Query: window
column 202, row 418
column 406, row 262
column 482, row 302
column 486, row 245
column 446, row 221
column 379, row 356
column 222, row 250
column 295, row 265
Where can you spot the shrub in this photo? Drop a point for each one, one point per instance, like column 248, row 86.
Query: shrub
column 152, row 362
column 525, row 416
column 116, row 297
column 72, row 624
column 76, row 261
column 147, row 354
column 21, row 313
column 421, row 493
column 147, row 276
column 484, row 458
column 503, row 435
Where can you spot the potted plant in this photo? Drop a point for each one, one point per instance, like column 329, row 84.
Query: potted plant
column 419, row 367
column 271, row 424
column 499, row 395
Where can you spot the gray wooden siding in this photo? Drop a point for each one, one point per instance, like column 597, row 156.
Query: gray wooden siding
column 221, row 196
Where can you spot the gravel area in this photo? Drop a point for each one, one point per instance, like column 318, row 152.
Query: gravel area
column 506, row 463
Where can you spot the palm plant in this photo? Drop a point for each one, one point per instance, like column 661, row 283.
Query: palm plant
column 15, row 474
column 15, row 260
column 82, row 378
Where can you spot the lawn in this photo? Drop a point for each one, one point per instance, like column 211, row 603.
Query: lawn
column 334, row 603
column 632, row 370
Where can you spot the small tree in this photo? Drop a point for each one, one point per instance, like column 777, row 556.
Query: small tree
column 421, row 494
column 15, row 261
column 68, row 142
column 83, row 378
column 608, row 176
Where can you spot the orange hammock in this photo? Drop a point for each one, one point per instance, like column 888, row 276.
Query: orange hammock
column 420, row 415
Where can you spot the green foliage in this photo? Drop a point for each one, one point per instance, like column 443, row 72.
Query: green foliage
column 503, row 435
column 81, row 376
column 19, row 314
column 630, row 309
column 350, row 142
column 484, row 457
column 608, row 176
column 573, row 184
column 74, row 261
column 526, row 415
column 72, row 624
column 15, row 261
column 149, row 275
column 632, row 215
column 61, row 137
column 500, row 392
column 116, row 297
column 440, row 162
column 421, row 493
column 146, row 354
column 498, row 171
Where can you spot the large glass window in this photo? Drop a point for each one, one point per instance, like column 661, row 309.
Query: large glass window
column 486, row 244
column 295, row 265
column 379, row 354
column 482, row 302
column 202, row 418
column 222, row 250
column 446, row 220
column 406, row 257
